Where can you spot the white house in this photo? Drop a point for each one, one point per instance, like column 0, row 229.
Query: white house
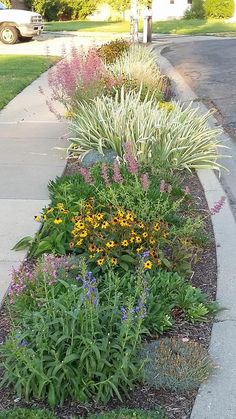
column 161, row 10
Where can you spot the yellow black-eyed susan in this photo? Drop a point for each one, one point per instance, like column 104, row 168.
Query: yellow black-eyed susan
column 148, row 264
column 100, row 261
column 125, row 243
column 57, row 220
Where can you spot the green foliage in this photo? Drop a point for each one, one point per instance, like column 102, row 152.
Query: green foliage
column 26, row 414
column 79, row 343
column 63, row 9
column 120, row 5
column 110, row 51
column 176, row 365
column 196, row 11
column 129, row 414
column 219, row 9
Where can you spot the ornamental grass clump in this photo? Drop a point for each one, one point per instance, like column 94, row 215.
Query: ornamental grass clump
column 173, row 139
column 175, row 364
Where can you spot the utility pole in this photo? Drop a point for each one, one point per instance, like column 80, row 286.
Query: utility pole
column 147, row 26
column 134, row 20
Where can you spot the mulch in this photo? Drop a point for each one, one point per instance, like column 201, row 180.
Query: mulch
column 177, row 405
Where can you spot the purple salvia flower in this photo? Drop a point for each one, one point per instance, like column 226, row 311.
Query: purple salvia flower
column 89, row 284
column 162, row 186
column 218, row 205
column 117, row 176
column 85, row 172
column 105, row 174
column 132, row 163
column 145, row 182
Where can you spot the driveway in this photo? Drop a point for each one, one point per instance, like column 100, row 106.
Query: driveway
column 209, row 68
column 59, row 43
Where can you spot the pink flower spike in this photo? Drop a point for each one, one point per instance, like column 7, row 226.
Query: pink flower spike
column 105, row 174
column 218, row 205
column 132, row 163
column 117, row 176
column 85, row 172
column 162, row 186
column 145, row 182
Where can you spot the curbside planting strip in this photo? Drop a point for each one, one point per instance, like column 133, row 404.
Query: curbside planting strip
column 217, row 398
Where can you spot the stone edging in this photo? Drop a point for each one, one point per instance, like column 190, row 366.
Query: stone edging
column 217, row 398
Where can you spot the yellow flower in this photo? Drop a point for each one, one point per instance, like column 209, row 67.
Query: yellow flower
column 92, row 248
column 139, row 249
column 60, row 205
column 124, row 223
column 99, row 216
column 57, row 220
column 138, row 240
column 72, row 245
column 79, row 225
column 96, row 225
column 37, row 218
column 99, row 250
column 152, row 241
column 133, row 233
column 132, row 239
column 148, row 265
column 100, row 262
column 50, row 210
column 145, row 234
column 83, row 233
column 130, row 216
column 110, row 244
column 115, row 221
column 114, row 261
column 125, row 243
column 165, row 235
column 141, row 224
column 44, row 217
column 121, row 214
column 105, row 224
column 79, row 242
column 157, row 227
column 159, row 262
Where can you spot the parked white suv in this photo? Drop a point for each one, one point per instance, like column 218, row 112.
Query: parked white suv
column 18, row 25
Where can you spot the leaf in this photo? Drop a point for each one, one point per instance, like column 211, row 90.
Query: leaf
column 166, row 262
column 23, row 244
column 70, row 358
column 51, row 395
column 127, row 258
column 43, row 246
column 124, row 266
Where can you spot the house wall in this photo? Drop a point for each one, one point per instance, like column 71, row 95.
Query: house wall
column 162, row 10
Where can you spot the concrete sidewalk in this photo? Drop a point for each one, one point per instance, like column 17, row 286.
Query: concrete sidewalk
column 32, row 151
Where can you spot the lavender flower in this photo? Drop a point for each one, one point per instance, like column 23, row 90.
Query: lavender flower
column 145, row 182
column 132, row 164
column 89, row 284
column 117, row 176
column 218, row 205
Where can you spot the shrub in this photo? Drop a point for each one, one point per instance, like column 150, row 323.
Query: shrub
column 110, row 51
column 180, row 139
column 196, row 11
column 26, row 414
column 219, row 9
column 7, row 3
column 78, row 344
column 128, row 414
column 62, row 9
column 176, row 365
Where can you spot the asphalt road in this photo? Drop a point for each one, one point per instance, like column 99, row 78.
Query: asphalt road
column 209, row 68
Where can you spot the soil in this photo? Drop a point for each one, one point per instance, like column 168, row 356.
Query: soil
column 177, row 405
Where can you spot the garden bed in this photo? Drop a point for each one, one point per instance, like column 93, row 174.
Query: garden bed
column 177, row 405
column 115, row 304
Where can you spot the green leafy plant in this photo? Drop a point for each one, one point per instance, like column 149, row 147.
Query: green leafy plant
column 219, row 9
column 196, row 10
column 78, row 344
column 129, row 413
column 21, row 413
column 110, row 51
column 176, row 364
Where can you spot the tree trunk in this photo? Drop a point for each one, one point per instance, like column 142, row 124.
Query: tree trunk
column 134, row 20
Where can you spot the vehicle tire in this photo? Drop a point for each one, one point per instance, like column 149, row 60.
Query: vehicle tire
column 26, row 38
column 8, row 34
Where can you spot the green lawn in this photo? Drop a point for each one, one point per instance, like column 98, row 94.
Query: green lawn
column 17, row 72
column 178, row 27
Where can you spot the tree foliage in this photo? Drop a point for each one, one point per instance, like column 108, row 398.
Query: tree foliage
column 63, row 9
column 220, row 9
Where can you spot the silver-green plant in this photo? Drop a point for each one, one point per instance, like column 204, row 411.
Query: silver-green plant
column 175, row 364
column 177, row 139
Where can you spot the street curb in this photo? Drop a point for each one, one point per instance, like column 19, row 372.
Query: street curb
column 217, row 398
